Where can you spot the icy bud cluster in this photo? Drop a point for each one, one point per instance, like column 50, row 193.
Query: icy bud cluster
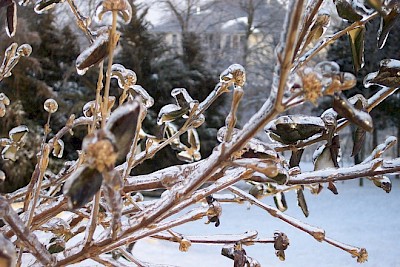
column 324, row 79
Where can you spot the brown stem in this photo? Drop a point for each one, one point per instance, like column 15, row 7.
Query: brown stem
column 112, row 43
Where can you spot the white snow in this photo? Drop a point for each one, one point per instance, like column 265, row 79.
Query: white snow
column 361, row 216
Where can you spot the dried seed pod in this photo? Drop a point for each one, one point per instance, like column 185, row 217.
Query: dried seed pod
column 388, row 74
column 345, row 109
column 122, row 124
column 122, row 6
column 281, row 242
column 50, row 105
column 182, row 97
column 257, row 191
column 9, row 152
column 280, row 201
column 95, row 53
column 58, row 148
column 11, row 19
column 18, row 133
column 7, row 252
column 81, row 186
column 292, row 128
column 383, row 182
column 301, row 202
column 44, row 5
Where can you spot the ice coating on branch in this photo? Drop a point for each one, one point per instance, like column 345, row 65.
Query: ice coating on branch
column 182, row 97
column 191, row 153
column 169, row 112
column 125, row 77
column 148, row 101
column 7, row 252
column 95, row 53
column 43, row 5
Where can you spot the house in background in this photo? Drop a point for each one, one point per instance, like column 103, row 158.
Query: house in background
column 242, row 31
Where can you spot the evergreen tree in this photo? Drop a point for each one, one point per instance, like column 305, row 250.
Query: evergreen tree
column 49, row 72
column 159, row 70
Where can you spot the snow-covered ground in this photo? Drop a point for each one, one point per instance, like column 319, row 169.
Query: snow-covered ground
column 361, row 216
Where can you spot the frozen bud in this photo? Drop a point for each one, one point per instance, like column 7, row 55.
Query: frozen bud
column 89, row 109
column 235, row 73
column 95, row 53
column 2, row 176
column 214, row 211
column 383, row 182
column 362, row 255
column 50, row 105
column 122, row 6
column 81, row 186
column 43, row 5
column 130, row 78
column 24, row 50
column 184, row 245
column 58, row 148
column 123, row 124
column 7, row 252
